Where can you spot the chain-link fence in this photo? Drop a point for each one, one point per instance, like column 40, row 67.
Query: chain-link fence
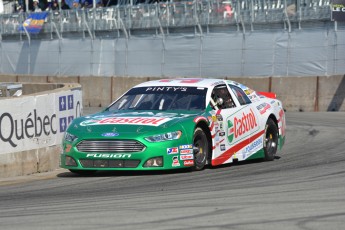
column 199, row 38
column 242, row 14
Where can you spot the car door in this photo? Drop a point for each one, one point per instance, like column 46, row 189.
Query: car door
column 247, row 134
column 233, row 123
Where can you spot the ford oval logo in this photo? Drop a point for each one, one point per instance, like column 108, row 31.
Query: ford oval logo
column 110, row 134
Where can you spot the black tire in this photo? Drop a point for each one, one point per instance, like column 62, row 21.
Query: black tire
column 201, row 149
column 83, row 172
column 271, row 140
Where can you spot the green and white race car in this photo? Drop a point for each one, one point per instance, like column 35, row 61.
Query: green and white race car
column 177, row 123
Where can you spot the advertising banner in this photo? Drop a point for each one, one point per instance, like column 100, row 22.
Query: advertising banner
column 34, row 122
column 34, row 22
column 338, row 10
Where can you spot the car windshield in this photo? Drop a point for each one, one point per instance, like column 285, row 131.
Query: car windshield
column 162, row 98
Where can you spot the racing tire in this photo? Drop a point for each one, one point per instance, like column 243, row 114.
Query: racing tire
column 83, row 172
column 201, row 149
column 271, row 140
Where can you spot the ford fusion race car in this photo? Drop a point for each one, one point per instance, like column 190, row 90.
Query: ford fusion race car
column 177, row 123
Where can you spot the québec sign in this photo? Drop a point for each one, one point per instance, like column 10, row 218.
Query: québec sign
column 33, row 122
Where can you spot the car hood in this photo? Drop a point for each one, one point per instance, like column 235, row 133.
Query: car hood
column 108, row 124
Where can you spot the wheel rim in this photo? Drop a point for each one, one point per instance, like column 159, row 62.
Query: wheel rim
column 271, row 141
column 200, row 144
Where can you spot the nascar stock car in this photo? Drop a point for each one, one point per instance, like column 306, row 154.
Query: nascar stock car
column 176, row 123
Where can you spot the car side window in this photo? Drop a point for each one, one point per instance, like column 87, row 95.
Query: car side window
column 240, row 95
column 221, row 96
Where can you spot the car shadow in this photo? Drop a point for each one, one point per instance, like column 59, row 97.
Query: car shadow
column 124, row 173
column 159, row 172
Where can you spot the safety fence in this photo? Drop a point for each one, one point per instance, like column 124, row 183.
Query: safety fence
column 242, row 14
column 199, row 38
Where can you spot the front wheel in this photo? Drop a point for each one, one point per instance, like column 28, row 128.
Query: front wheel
column 201, row 149
column 271, row 140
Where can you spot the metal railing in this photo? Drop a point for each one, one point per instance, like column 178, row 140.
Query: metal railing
column 245, row 14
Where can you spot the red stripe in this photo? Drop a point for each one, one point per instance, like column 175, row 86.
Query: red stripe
column 217, row 144
column 211, row 126
column 228, row 153
column 214, row 135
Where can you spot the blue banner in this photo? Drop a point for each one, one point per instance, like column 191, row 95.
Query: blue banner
column 34, row 22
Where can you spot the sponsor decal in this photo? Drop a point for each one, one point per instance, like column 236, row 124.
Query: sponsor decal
column 263, row 107
column 110, row 134
column 244, row 124
column 222, row 147
column 230, row 131
column 175, row 161
column 186, row 146
column 257, row 144
column 219, row 117
column 172, row 150
column 68, row 148
column 221, row 126
column 221, row 134
column 214, row 118
column 186, row 151
column 152, row 121
column 248, row 91
column 108, row 155
column 188, row 163
column 187, row 157
column 241, row 125
column 253, row 97
column 167, row 89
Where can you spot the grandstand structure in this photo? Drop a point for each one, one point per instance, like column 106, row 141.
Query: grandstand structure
column 177, row 29
column 203, row 14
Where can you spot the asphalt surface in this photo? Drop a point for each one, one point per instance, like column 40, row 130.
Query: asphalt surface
column 304, row 188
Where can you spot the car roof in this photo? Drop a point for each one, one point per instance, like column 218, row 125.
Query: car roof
column 186, row 82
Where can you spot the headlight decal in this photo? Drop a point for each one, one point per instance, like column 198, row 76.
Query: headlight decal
column 165, row 137
column 70, row 137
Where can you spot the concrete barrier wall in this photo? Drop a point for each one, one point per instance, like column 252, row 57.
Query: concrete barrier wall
column 297, row 93
column 32, row 126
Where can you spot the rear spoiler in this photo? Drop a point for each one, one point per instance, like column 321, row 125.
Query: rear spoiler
column 268, row 94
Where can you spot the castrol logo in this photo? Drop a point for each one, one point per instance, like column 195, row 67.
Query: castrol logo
column 244, row 124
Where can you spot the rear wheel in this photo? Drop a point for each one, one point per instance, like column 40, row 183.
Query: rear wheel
column 201, row 149
column 83, row 172
column 271, row 140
